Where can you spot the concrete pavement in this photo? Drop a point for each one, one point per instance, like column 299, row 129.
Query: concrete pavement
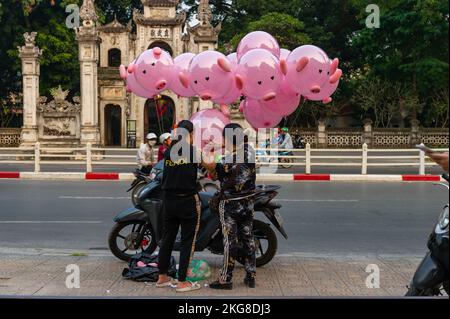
column 285, row 276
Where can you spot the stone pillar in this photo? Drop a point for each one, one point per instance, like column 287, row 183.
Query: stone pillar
column 88, row 41
column 30, row 55
column 367, row 137
column 322, row 134
column 416, row 137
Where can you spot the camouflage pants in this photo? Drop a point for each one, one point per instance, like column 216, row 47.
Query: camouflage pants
column 237, row 227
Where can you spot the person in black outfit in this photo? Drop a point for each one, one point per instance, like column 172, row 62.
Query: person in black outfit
column 182, row 206
column 237, row 174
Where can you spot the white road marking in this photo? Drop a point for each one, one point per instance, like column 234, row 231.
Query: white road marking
column 50, row 222
column 318, row 200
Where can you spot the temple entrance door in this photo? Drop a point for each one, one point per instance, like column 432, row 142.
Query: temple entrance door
column 159, row 115
column 113, row 125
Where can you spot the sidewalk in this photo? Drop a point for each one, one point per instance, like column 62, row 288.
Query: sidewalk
column 286, row 276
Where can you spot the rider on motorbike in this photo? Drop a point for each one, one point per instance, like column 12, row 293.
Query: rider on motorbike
column 285, row 139
column 165, row 140
column 146, row 154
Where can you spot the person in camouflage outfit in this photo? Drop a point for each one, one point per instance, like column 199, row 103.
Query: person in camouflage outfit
column 237, row 175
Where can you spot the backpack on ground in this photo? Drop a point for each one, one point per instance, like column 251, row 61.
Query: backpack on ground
column 144, row 268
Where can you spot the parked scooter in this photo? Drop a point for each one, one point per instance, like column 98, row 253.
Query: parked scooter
column 139, row 229
column 432, row 275
column 138, row 184
column 205, row 184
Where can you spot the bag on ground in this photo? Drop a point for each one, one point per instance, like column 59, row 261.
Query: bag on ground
column 199, row 270
column 144, row 268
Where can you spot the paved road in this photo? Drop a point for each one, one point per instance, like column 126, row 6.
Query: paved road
column 321, row 218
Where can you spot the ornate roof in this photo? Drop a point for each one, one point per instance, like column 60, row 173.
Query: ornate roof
column 87, row 11
column 204, row 31
column 139, row 18
column 114, row 27
column 160, row 3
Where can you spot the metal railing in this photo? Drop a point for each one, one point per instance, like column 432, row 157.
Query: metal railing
column 308, row 158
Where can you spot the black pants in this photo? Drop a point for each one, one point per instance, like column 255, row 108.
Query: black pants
column 184, row 212
column 146, row 170
column 237, row 225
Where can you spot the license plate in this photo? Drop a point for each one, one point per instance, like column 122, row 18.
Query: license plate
column 279, row 218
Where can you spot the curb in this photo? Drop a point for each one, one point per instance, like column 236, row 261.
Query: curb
column 11, row 175
column 260, row 177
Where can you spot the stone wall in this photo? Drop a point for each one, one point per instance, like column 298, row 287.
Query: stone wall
column 323, row 137
column 10, row 137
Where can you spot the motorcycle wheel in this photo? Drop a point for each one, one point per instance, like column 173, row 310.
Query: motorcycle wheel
column 147, row 245
column 263, row 232
column 136, row 191
column 286, row 162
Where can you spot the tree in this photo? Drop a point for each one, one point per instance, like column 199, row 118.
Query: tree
column 384, row 101
column 9, row 108
column 288, row 31
column 438, row 113
column 411, row 46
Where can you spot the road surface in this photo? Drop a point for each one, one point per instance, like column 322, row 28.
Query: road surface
column 320, row 218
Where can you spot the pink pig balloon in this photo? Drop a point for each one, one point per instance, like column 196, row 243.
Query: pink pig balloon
column 233, row 59
column 285, row 54
column 182, row 63
column 258, row 40
column 132, row 85
column 327, row 90
column 154, row 70
column 210, row 75
column 260, row 74
column 208, row 127
column 256, row 117
column 308, row 69
column 286, row 102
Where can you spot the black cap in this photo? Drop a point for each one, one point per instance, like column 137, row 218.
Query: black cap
column 187, row 125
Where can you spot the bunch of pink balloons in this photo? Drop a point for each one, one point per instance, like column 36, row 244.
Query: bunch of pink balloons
column 271, row 79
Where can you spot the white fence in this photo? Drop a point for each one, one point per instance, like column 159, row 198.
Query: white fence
column 308, row 158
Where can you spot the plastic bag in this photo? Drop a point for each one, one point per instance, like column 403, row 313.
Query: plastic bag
column 199, row 270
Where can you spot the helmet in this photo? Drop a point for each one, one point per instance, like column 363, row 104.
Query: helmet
column 152, row 136
column 285, row 129
column 164, row 137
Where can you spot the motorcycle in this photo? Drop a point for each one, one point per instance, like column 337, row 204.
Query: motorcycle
column 138, row 184
column 139, row 229
column 205, row 184
column 432, row 275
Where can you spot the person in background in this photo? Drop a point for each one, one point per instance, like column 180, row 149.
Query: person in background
column 237, row 175
column 165, row 140
column 286, row 139
column 182, row 206
column 146, row 154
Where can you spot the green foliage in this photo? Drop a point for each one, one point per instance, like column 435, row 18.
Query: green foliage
column 288, row 31
column 392, row 74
